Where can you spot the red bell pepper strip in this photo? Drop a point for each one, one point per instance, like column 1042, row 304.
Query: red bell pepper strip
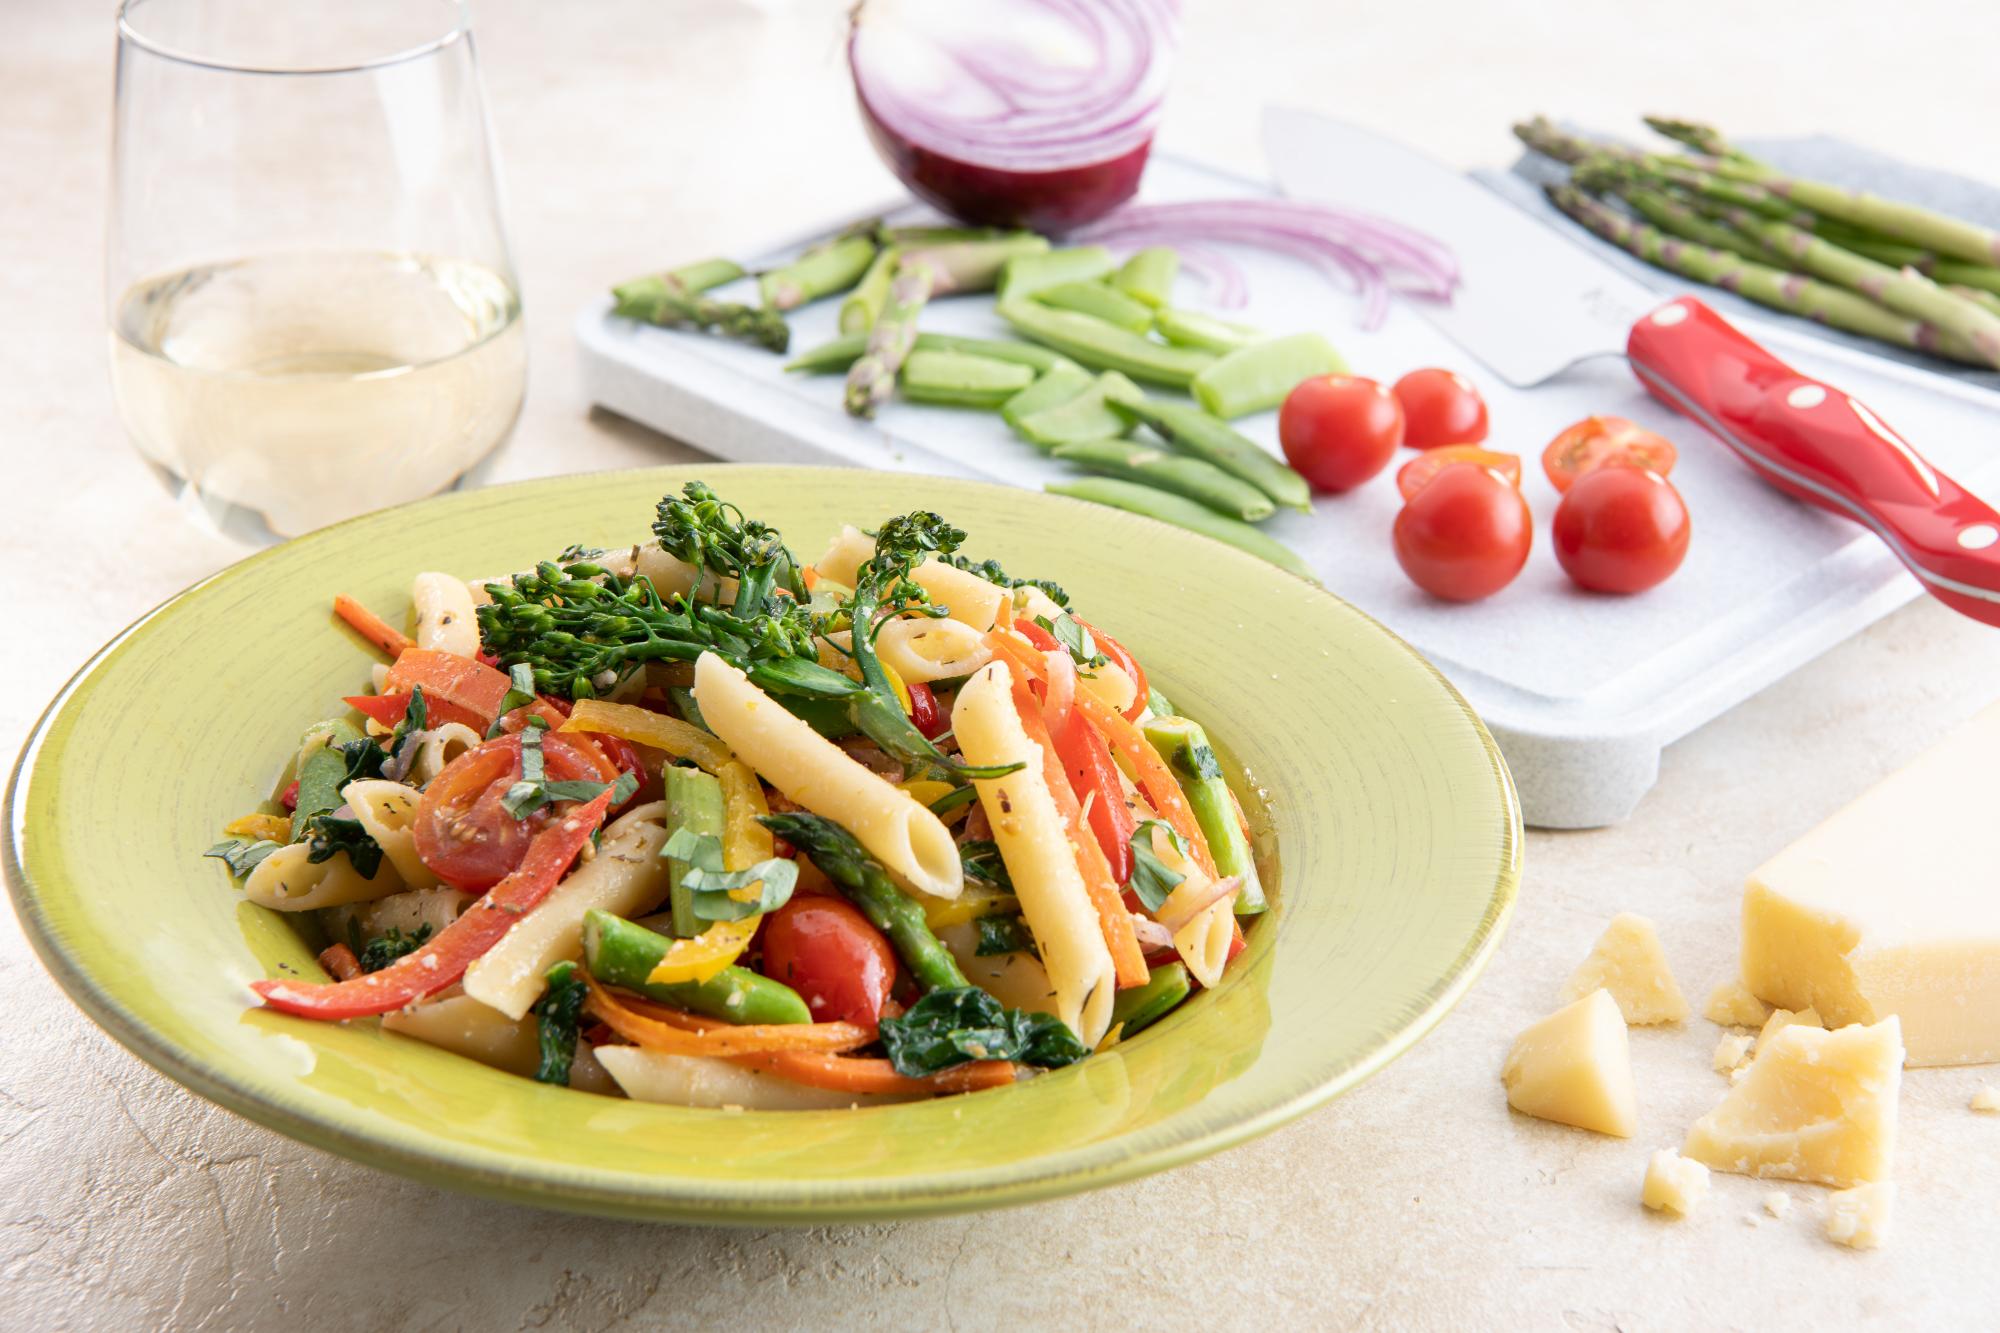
column 389, row 709
column 372, row 627
column 444, row 959
column 470, row 684
column 1086, row 762
column 1112, row 918
column 925, row 715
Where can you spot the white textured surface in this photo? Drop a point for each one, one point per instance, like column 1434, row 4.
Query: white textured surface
column 637, row 131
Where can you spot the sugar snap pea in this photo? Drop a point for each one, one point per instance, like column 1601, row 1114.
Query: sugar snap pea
column 1148, row 275
column 1184, row 513
column 1104, row 346
column 1193, row 431
column 956, row 379
column 1101, row 302
column 1195, row 478
column 1256, row 378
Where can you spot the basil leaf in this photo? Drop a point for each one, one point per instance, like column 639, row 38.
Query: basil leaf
column 558, row 1016
column 1074, row 638
column 386, row 948
column 981, row 859
column 712, row 889
column 1004, row 934
column 327, row 836
column 953, row 799
column 527, row 795
column 584, row 790
column 242, row 855
column 951, row 1027
column 1152, row 879
column 520, row 693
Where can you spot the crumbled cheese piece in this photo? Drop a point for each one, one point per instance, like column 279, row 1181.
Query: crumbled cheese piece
column 1860, row 1217
column 1778, row 1204
column 1733, row 1006
column 1673, row 1183
column 1729, row 1052
column 1629, row 962
column 1888, row 907
column 1783, row 1018
column 1575, row 1067
column 1736, row 1075
column 1815, row 1105
column 1986, row 1099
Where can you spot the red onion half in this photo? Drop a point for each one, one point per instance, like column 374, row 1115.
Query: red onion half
column 1014, row 113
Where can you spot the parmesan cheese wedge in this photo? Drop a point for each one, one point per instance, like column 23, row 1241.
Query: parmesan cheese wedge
column 1575, row 1067
column 1629, row 962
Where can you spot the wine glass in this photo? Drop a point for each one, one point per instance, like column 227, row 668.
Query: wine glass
column 313, row 310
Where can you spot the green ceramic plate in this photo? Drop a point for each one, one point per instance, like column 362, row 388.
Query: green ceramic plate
column 1396, row 833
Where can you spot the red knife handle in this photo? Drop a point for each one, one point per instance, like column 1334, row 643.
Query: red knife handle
column 1817, row 444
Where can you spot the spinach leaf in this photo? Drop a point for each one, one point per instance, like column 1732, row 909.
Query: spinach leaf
column 1004, row 934
column 387, row 947
column 326, row 836
column 242, row 855
column 981, row 859
column 712, row 896
column 558, row 1015
column 952, row 1027
column 1152, row 879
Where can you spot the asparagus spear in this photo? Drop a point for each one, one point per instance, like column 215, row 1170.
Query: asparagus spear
column 1150, row 1001
column 624, row 953
column 1192, row 477
column 1182, row 513
column 1704, row 139
column 1607, row 172
column 1898, row 221
column 1184, row 745
column 1897, row 254
column 1790, row 292
column 674, row 300
column 859, row 311
column 843, row 859
column 1677, row 217
column 822, row 271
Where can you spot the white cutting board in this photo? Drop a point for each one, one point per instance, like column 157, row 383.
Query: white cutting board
column 1581, row 690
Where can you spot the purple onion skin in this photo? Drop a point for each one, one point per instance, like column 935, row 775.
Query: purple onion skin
column 1051, row 202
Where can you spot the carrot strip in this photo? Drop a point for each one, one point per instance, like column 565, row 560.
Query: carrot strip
column 1127, row 959
column 1155, row 779
column 372, row 627
column 340, row 962
column 658, row 1028
column 864, row 1074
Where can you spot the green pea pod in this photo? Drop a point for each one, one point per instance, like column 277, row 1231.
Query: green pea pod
column 1088, row 416
column 1149, row 275
column 1192, row 477
column 1033, row 273
column 1182, row 512
column 1100, row 301
column 955, row 379
column 1193, row 431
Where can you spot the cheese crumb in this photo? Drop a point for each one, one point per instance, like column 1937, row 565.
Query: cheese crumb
column 1986, row 1099
column 1783, row 1018
column 1575, row 1067
column 1673, row 1183
column 1778, row 1204
column 1729, row 1052
column 1860, row 1217
column 1815, row 1105
column 1629, row 962
column 1733, row 1006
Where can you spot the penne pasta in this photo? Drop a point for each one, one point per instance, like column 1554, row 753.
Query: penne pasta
column 464, row 1026
column 910, row 841
column 1017, row 980
column 286, row 881
column 918, row 648
column 1029, row 833
column 627, row 877
column 439, row 747
column 445, row 622
column 971, row 599
column 707, row 1081
column 409, row 912
column 386, row 810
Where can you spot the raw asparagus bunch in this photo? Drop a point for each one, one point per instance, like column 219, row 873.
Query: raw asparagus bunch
column 1852, row 260
column 675, row 299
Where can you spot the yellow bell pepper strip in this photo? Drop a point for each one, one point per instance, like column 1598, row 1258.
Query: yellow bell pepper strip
column 643, row 726
column 275, row 827
column 745, row 842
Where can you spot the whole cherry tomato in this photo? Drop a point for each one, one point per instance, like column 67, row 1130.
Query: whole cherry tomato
column 1465, row 535
column 1620, row 529
column 1597, row 442
column 1440, row 407
column 1416, row 474
column 1339, row 430
column 823, row 948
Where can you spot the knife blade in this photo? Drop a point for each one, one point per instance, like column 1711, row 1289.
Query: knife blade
column 1531, row 303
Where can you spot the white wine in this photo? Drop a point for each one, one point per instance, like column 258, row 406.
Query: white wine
column 312, row 387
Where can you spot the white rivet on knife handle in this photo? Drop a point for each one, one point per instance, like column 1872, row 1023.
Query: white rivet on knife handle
column 1669, row 315
column 1806, row 395
column 1978, row 536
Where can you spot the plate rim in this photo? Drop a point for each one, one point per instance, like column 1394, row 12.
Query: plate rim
column 663, row 1198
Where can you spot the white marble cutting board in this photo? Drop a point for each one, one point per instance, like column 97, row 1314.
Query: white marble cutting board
column 1581, row 690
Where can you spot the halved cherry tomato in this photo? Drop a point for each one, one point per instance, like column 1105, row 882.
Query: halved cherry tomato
column 1440, row 407
column 925, row 715
column 1339, row 430
column 463, row 832
column 1416, row 474
column 1465, row 536
column 1596, row 442
column 1620, row 529
column 823, row 948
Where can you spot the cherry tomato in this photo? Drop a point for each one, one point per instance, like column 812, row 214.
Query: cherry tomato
column 829, row 953
column 1416, row 474
column 925, row 715
column 1597, row 442
column 1620, row 529
column 1339, row 430
column 463, row 832
column 1465, row 536
column 1440, row 407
